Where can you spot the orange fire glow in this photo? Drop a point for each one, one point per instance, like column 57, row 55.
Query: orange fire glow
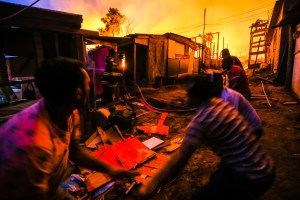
column 230, row 18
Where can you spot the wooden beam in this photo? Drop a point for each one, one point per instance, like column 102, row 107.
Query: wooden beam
column 259, row 52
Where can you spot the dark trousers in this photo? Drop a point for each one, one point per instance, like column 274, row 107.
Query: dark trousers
column 227, row 184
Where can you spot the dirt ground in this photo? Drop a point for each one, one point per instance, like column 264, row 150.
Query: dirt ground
column 281, row 138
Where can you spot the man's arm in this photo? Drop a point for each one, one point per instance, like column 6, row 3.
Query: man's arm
column 235, row 82
column 84, row 159
column 171, row 170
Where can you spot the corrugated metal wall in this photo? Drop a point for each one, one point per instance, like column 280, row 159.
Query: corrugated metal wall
column 296, row 69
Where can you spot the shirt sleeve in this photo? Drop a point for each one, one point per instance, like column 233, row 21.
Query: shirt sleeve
column 250, row 114
column 194, row 136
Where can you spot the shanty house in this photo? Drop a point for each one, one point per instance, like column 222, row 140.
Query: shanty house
column 32, row 35
column 159, row 59
column 152, row 59
column 284, row 43
column 29, row 35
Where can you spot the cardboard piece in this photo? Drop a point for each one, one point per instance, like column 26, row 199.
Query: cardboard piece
column 95, row 180
column 174, row 144
column 93, row 140
column 156, row 129
column 150, row 168
column 126, row 154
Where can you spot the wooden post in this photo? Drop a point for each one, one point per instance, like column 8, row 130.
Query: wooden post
column 203, row 38
column 134, row 62
column 256, row 56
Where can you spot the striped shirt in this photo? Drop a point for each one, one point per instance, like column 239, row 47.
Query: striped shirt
column 221, row 128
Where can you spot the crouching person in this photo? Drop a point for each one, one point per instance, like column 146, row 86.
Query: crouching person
column 246, row 170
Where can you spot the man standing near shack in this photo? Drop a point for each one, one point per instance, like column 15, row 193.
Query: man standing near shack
column 236, row 61
column 237, row 78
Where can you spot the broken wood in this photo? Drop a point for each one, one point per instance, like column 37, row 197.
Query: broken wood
column 130, row 187
column 290, row 103
column 262, row 85
column 103, row 136
column 262, row 78
column 253, row 98
column 93, row 140
column 257, row 96
column 119, row 131
column 144, row 113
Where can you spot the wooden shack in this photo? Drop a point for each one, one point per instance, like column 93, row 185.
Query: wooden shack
column 283, row 38
column 154, row 60
column 28, row 36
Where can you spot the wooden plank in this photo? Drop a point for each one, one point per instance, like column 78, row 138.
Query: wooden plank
column 259, row 30
column 262, row 78
column 290, row 103
column 259, row 25
column 259, row 35
column 256, row 42
column 260, row 52
column 255, row 46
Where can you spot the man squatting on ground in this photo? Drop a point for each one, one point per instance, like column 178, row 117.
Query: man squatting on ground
column 246, row 170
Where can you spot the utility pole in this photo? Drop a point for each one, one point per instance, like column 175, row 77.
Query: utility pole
column 203, row 40
column 204, row 22
column 223, row 42
column 218, row 43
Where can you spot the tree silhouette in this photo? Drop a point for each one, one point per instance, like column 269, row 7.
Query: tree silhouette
column 113, row 23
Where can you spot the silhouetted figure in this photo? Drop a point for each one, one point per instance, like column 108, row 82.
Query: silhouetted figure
column 236, row 61
column 36, row 143
column 236, row 76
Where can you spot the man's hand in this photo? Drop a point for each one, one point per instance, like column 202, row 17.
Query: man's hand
column 146, row 190
column 122, row 173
